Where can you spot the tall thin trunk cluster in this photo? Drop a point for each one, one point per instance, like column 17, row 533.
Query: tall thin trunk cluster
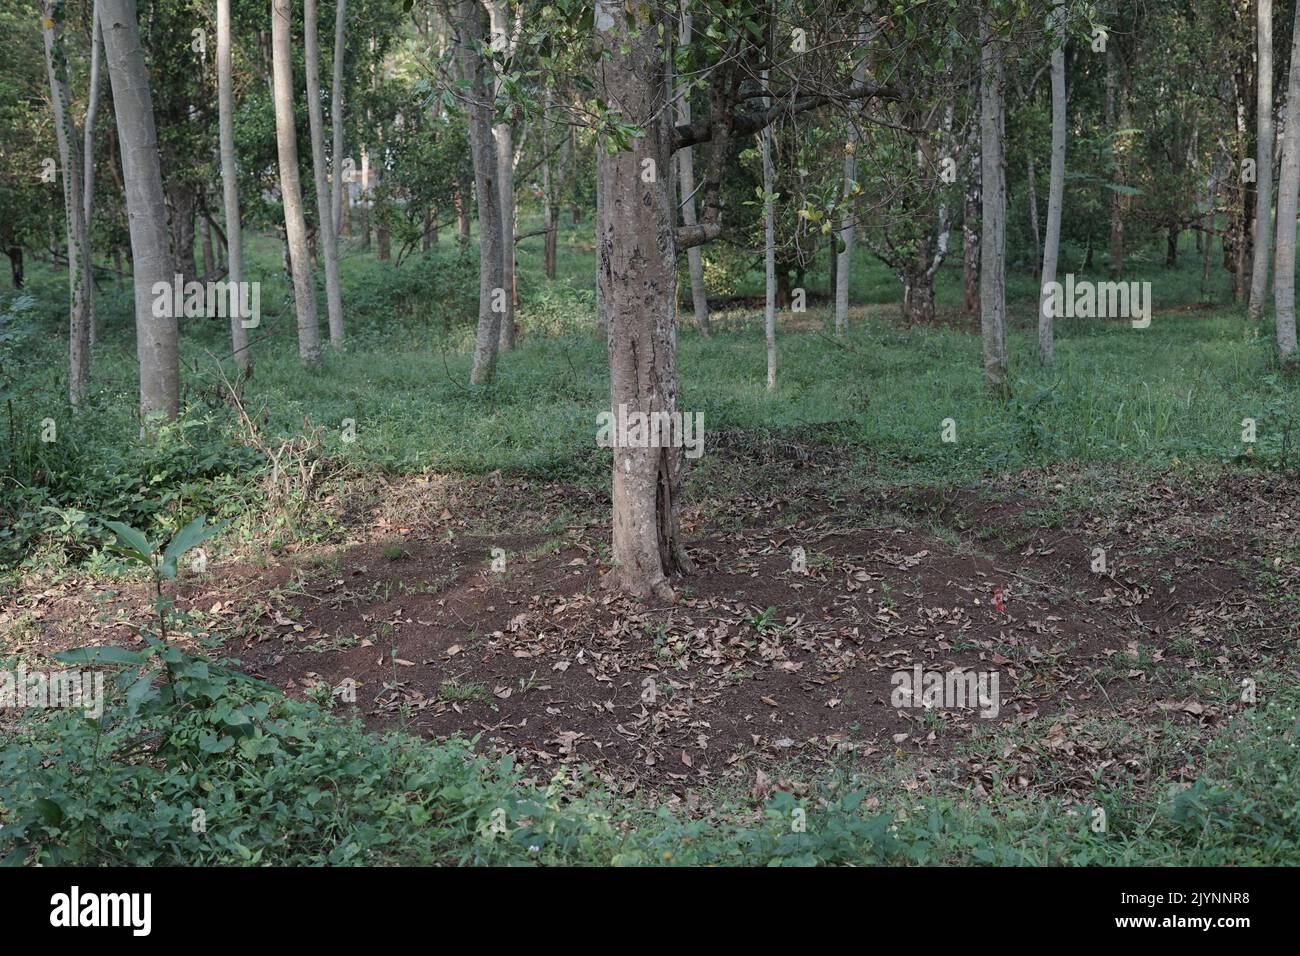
column 229, row 183
column 324, row 193
column 295, row 223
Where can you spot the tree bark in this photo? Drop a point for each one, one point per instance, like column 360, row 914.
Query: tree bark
column 230, row 184
column 151, row 261
column 637, row 283
column 1055, row 190
column 1288, row 183
column 74, row 222
column 970, row 231
column 1263, row 157
column 492, row 291
column 844, row 257
column 337, row 93
column 1116, row 121
column 295, row 224
column 769, row 248
column 993, row 213
column 324, row 191
column 686, row 190
column 503, row 134
column 88, row 157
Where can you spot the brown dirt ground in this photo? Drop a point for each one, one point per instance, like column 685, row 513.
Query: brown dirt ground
column 543, row 662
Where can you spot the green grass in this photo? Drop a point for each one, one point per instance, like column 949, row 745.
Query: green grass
column 1118, row 398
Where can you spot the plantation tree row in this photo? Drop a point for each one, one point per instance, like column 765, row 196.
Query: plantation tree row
column 710, row 135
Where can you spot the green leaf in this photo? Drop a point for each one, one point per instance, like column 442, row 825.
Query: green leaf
column 191, row 536
column 131, row 541
column 99, row 655
column 50, row 812
column 139, row 692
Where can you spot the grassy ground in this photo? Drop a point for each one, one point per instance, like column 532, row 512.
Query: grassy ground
column 1126, row 416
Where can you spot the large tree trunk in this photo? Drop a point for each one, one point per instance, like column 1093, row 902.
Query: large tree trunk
column 151, row 261
column 1263, row 156
column 1055, row 190
column 499, row 21
column 493, row 294
column 88, row 158
column 994, row 212
column 295, row 224
column 686, row 191
column 74, row 222
column 918, row 296
column 637, row 281
column 230, row 185
column 324, row 191
column 769, row 248
column 1288, row 183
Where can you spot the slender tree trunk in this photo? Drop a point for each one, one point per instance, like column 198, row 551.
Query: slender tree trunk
column 1244, row 227
column 459, row 201
column 295, row 224
column 686, row 190
column 337, row 93
column 324, row 191
column 637, row 281
column 769, row 248
column 1114, row 124
column 548, row 191
column 1055, row 190
column 844, row 258
column 379, row 205
column 1207, row 252
column 230, row 184
column 88, row 157
column 151, row 261
column 1263, row 157
column 970, row 231
column 79, row 277
column 364, row 199
column 205, row 245
column 492, row 291
column 1287, row 185
column 993, row 217
column 180, row 199
column 15, row 254
column 1031, row 186
column 499, row 21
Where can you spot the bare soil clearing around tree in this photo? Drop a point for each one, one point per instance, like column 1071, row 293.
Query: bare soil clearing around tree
column 761, row 668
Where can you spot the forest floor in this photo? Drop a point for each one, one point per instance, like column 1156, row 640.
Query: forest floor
column 761, row 672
